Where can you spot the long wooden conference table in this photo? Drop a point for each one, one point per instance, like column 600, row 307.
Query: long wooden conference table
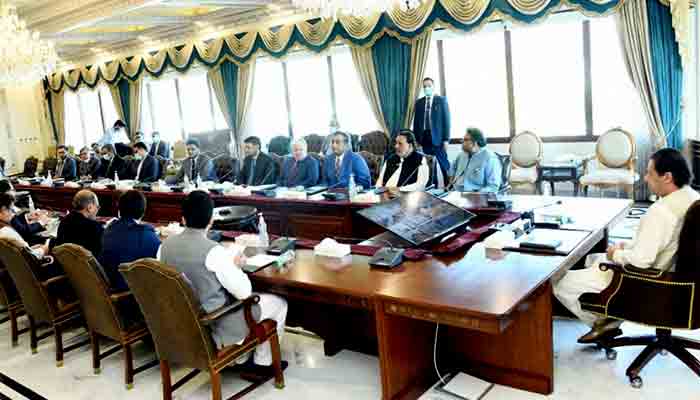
column 491, row 310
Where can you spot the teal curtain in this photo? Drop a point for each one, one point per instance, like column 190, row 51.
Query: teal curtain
column 229, row 74
column 667, row 70
column 125, row 100
column 392, row 67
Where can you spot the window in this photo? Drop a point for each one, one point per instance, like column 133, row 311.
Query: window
column 548, row 77
column 268, row 110
column 165, row 110
column 355, row 114
column 86, row 114
column 195, row 99
column 432, row 67
column 310, row 95
column 477, row 86
column 615, row 100
column 73, row 122
column 109, row 111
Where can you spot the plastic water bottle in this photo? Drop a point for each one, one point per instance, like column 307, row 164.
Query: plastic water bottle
column 116, row 178
column 262, row 235
column 352, row 187
column 49, row 179
column 186, row 182
column 31, row 205
column 199, row 182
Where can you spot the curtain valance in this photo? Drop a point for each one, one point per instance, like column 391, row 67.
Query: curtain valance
column 317, row 34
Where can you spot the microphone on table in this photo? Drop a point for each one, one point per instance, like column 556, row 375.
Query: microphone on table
column 269, row 192
column 530, row 214
column 335, row 196
column 387, row 257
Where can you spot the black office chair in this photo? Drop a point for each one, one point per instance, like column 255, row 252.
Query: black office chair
column 280, row 145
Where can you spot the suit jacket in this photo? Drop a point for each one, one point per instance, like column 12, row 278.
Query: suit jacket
column 89, row 168
column 203, row 165
column 70, row 169
column 26, row 230
column 77, row 229
column 305, row 174
column 125, row 241
column 163, row 150
column 265, row 171
column 108, row 168
column 149, row 169
column 352, row 163
column 439, row 119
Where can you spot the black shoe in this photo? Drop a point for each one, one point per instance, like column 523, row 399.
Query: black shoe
column 252, row 372
column 606, row 329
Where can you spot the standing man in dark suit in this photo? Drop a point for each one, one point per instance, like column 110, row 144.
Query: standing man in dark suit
column 258, row 167
column 145, row 165
column 159, row 147
column 67, row 167
column 431, row 124
column 196, row 165
column 111, row 163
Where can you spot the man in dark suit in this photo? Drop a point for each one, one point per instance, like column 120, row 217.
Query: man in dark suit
column 111, row 163
column 258, row 167
column 196, row 165
column 127, row 239
column 67, row 167
column 159, row 147
column 299, row 169
column 431, row 124
column 80, row 225
column 145, row 166
column 88, row 165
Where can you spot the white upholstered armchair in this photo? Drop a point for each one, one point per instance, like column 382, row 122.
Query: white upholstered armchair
column 526, row 152
column 616, row 155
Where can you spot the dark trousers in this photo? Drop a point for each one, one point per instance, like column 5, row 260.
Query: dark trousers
column 437, row 151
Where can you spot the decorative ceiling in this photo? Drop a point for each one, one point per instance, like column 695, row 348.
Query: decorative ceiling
column 88, row 31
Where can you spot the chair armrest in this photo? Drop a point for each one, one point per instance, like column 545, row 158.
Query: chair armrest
column 54, row 280
column 247, row 305
column 632, row 270
column 115, row 297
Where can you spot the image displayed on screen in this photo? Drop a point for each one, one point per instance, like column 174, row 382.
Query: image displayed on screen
column 418, row 217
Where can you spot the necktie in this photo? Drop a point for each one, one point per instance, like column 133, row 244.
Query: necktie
column 293, row 174
column 59, row 170
column 337, row 166
column 251, row 172
column 428, row 108
column 194, row 169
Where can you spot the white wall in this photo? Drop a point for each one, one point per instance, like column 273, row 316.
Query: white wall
column 24, row 129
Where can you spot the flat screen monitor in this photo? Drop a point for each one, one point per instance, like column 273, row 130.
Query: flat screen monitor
column 418, row 217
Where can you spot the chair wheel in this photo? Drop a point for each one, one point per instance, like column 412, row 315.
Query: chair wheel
column 610, row 354
column 664, row 352
column 636, row 382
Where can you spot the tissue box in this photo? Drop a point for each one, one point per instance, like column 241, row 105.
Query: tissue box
column 331, row 248
column 291, row 194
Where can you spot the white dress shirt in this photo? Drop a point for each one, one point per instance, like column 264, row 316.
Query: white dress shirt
column 138, row 170
column 419, row 184
column 656, row 242
column 220, row 261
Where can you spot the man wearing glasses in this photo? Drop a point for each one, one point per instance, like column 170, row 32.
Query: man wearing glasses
column 476, row 169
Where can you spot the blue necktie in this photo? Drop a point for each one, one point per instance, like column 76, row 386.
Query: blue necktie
column 251, row 172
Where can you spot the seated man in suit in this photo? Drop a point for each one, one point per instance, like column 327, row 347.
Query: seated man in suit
column 145, row 166
column 127, row 239
column 258, row 167
column 406, row 169
column 476, row 169
column 112, row 164
column 27, row 224
column 80, row 226
column 66, row 167
column 159, row 148
column 299, row 169
column 217, row 278
column 196, row 165
column 89, row 164
column 654, row 246
column 342, row 162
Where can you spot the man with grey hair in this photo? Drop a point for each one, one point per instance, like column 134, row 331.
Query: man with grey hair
column 89, row 164
column 80, row 226
column 299, row 169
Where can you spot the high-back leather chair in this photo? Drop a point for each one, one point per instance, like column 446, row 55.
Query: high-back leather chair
column 280, row 145
column 227, row 168
column 374, row 163
column 40, row 304
column 180, row 327
column 49, row 164
column 320, row 158
column 674, row 303
column 314, row 143
column 115, row 316
column 375, row 142
column 31, row 165
column 10, row 304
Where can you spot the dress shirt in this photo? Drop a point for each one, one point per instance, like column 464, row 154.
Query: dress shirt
column 220, row 261
column 419, row 184
column 656, row 241
column 112, row 136
column 480, row 172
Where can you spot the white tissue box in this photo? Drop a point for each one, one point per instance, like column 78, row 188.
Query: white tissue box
column 331, row 248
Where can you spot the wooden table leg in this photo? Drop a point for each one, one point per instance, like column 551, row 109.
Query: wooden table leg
column 522, row 356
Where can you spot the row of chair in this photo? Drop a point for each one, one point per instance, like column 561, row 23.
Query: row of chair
column 173, row 319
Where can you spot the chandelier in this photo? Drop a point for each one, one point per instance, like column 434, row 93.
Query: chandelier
column 357, row 8
column 23, row 56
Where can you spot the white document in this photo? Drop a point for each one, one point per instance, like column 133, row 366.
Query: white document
column 260, row 260
column 460, row 387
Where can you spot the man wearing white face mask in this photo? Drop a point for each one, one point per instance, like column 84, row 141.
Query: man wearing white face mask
column 431, row 124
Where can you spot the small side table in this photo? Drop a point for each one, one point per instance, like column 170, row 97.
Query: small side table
column 560, row 172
